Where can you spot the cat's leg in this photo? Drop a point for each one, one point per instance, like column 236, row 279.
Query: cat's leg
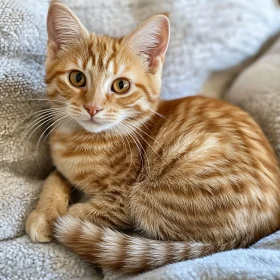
column 53, row 202
column 103, row 211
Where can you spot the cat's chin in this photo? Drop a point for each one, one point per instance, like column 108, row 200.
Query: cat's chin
column 95, row 127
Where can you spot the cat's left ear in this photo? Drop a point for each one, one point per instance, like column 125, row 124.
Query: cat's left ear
column 150, row 41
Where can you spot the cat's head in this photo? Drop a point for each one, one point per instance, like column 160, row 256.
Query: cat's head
column 104, row 83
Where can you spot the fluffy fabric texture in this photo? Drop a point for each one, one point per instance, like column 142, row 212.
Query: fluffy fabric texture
column 206, row 36
column 262, row 261
column 257, row 91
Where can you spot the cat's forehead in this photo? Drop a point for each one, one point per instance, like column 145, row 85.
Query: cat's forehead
column 104, row 43
column 103, row 49
column 99, row 54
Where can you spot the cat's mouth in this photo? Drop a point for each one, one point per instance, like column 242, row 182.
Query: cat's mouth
column 94, row 125
column 94, row 120
column 91, row 120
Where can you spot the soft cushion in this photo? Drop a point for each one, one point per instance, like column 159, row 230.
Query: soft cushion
column 257, row 90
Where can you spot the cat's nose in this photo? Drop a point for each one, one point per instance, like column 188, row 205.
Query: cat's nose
column 93, row 109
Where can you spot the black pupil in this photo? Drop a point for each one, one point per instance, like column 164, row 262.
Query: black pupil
column 121, row 84
column 79, row 77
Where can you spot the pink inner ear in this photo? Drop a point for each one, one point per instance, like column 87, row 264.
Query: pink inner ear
column 156, row 42
column 150, row 41
column 155, row 54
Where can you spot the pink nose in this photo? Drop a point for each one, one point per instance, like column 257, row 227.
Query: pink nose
column 93, row 109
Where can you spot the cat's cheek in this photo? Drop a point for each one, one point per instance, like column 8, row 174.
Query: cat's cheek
column 145, row 105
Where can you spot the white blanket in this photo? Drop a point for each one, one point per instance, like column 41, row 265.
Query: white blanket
column 206, row 36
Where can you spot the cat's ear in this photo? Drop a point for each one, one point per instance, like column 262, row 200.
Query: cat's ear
column 63, row 26
column 150, row 40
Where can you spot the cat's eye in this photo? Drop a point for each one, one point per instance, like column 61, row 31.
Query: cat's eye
column 120, row 85
column 77, row 78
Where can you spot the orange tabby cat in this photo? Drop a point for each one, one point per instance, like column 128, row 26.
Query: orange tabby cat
column 195, row 176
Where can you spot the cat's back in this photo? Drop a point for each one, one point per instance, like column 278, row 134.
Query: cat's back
column 204, row 130
column 211, row 160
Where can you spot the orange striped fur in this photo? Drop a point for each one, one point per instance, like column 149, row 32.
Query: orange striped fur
column 190, row 177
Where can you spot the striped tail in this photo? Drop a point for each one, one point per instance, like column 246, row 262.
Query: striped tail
column 120, row 252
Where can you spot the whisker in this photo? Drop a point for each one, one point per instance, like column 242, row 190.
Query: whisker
column 65, row 122
column 144, row 140
column 119, row 129
column 144, row 154
column 141, row 149
column 35, row 127
column 44, row 114
column 53, row 123
column 138, row 147
column 37, row 112
column 146, row 127
column 69, row 118
column 160, row 115
column 42, row 120
column 63, row 119
column 143, row 132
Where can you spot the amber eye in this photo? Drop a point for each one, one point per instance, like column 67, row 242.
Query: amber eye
column 77, row 79
column 120, row 85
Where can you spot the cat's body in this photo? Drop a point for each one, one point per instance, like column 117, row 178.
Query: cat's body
column 194, row 176
column 192, row 169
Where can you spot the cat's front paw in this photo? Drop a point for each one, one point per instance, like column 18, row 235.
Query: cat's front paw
column 39, row 227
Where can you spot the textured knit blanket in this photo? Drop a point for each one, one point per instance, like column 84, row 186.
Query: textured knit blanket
column 206, row 36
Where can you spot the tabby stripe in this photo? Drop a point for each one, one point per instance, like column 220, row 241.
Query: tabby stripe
column 145, row 90
column 130, row 99
column 116, row 67
column 52, row 94
column 51, row 77
column 109, row 60
column 100, row 62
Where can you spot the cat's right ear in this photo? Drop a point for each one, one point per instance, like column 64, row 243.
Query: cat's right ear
column 63, row 26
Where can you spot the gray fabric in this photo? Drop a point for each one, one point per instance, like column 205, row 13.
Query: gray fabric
column 206, row 36
column 262, row 261
column 257, row 90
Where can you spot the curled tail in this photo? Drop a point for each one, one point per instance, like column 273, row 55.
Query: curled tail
column 124, row 253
